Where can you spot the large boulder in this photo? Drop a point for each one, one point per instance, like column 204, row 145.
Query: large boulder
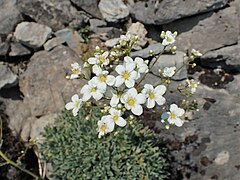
column 9, row 16
column 55, row 14
column 43, row 84
column 32, row 34
column 207, row 31
column 113, row 11
column 165, row 11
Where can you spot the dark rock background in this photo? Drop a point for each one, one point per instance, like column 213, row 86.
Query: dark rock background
column 39, row 39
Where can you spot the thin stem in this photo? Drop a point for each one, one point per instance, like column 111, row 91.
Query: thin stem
column 150, row 68
column 8, row 161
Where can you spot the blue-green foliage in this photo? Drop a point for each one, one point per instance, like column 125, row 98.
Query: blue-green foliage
column 75, row 152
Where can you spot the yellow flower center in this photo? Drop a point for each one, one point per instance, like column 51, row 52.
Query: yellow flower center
column 102, row 59
column 115, row 118
column 76, row 71
column 77, row 103
column 126, row 75
column 94, row 89
column 131, row 102
column 104, row 127
column 151, row 95
column 102, row 78
column 172, row 115
column 169, row 39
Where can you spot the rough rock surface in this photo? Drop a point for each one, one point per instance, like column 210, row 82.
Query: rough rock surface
column 207, row 31
column 4, row 48
column 170, row 61
column 155, row 12
column 32, row 34
column 113, row 11
column 9, row 16
column 228, row 57
column 7, row 78
column 17, row 49
column 52, row 43
column 43, row 89
column 207, row 147
column 90, row 6
column 138, row 29
column 144, row 53
column 55, row 14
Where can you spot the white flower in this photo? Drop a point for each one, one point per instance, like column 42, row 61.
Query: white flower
column 92, row 89
column 141, row 65
column 196, row 53
column 174, row 114
column 132, row 100
column 192, row 85
column 104, row 126
column 124, row 39
column 154, row 95
column 127, row 75
column 169, row 38
column 99, row 59
column 115, row 118
column 75, row 105
column 102, row 77
column 76, row 70
column 168, row 71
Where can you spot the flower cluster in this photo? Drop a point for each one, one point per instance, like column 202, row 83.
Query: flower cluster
column 117, row 82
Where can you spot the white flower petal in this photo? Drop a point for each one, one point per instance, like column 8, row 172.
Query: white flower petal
column 69, row 105
column 173, row 107
column 120, row 69
column 85, row 89
column 75, row 112
column 97, row 70
column 97, row 95
column 160, row 90
column 92, row 60
column 114, row 100
column 110, row 80
column 134, row 75
column 129, row 83
column 105, row 54
column 121, row 122
column 180, row 112
column 137, row 110
column 150, row 103
column 141, row 98
column 130, row 66
column 128, row 59
column 75, row 97
column 119, row 81
column 160, row 100
column 86, row 97
column 74, row 76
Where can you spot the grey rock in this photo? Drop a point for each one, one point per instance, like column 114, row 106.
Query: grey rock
column 96, row 23
column 197, row 32
column 72, row 38
column 228, row 57
column 34, row 127
column 4, row 48
column 111, row 42
column 17, row 49
column 52, row 43
column 214, row 129
column 138, row 29
column 106, row 33
column 32, row 34
column 43, row 84
column 9, row 16
column 113, row 11
column 170, row 61
column 90, row 6
column 7, row 78
column 155, row 12
column 52, row 13
column 144, row 53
